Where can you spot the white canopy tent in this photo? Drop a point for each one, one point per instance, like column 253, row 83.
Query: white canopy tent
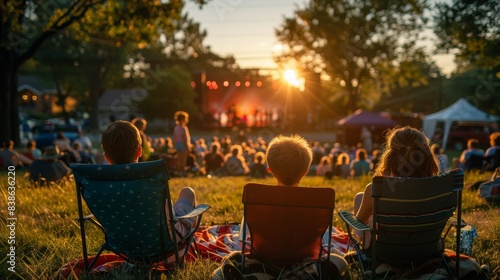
column 458, row 111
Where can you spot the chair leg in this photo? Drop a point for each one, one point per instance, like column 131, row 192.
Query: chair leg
column 87, row 269
column 446, row 266
column 81, row 221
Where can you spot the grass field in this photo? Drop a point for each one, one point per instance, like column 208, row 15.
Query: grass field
column 47, row 236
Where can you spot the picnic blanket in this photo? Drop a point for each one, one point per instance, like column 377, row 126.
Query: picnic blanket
column 216, row 242
column 212, row 242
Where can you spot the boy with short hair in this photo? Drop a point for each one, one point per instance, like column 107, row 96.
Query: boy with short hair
column 288, row 159
column 121, row 143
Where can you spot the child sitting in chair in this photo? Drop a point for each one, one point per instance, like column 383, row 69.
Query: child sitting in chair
column 121, row 143
column 288, row 158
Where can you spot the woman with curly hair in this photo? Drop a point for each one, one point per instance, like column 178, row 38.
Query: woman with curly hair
column 408, row 154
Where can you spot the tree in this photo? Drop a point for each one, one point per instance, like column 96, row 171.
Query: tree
column 352, row 42
column 178, row 63
column 472, row 28
column 26, row 25
column 173, row 93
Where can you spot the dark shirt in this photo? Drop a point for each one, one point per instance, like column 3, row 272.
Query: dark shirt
column 213, row 161
column 49, row 169
column 258, row 170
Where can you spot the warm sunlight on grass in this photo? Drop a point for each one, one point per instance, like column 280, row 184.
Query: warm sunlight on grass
column 47, row 236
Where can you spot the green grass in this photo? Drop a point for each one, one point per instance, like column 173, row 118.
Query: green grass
column 47, row 235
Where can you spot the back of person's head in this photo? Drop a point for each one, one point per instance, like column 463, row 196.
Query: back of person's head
column 236, row 150
column 121, row 141
column 180, row 116
column 31, row 144
column 361, row 154
column 77, row 146
column 473, row 143
column 51, row 153
column 215, row 146
column 140, row 123
column 343, row 158
column 289, row 158
column 407, row 154
column 325, row 160
column 10, row 144
column 259, row 157
column 495, row 139
column 436, row 149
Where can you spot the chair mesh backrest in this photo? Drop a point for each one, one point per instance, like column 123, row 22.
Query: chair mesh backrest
column 410, row 215
column 129, row 202
column 286, row 223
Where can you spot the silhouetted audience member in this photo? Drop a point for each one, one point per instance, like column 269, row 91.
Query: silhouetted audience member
column 49, row 167
column 214, row 160
column 259, row 169
column 473, row 157
column 11, row 157
column 492, row 154
column 342, row 168
column 324, row 167
column 360, row 165
column 235, row 162
column 141, row 125
column 442, row 158
column 31, row 151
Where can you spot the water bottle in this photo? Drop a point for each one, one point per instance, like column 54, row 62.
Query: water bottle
column 467, row 235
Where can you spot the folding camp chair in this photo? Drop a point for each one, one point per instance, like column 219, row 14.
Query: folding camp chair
column 128, row 203
column 287, row 224
column 409, row 220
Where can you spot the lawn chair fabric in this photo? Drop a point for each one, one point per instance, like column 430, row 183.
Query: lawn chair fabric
column 409, row 218
column 128, row 201
column 305, row 213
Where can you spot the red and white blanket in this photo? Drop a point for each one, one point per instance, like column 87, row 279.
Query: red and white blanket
column 213, row 242
column 216, row 242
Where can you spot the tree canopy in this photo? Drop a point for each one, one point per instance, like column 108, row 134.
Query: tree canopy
column 26, row 25
column 472, row 28
column 354, row 43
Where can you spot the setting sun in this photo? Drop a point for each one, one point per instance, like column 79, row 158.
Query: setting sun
column 291, row 77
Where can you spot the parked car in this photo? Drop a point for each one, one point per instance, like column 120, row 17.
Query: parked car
column 46, row 133
column 461, row 132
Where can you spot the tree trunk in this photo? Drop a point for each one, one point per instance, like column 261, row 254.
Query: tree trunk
column 60, row 96
column 353, row 98
column 94, row 97
column 6, row 73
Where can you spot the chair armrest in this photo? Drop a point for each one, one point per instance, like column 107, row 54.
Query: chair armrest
column 197, row 211
column 454, row 222
column 352, row 221
column 92, row 219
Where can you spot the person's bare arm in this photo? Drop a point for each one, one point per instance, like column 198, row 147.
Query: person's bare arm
column 366, row 209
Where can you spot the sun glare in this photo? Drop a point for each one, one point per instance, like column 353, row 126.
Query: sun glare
column 291, row 77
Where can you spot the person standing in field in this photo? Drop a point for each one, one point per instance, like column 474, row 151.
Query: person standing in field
column 182, row 141
column 141, row 125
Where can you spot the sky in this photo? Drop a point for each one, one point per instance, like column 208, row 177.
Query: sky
column 245, row 29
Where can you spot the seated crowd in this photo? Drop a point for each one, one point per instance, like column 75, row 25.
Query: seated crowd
column 243, row 156
column 49, row 164
column 474, row 158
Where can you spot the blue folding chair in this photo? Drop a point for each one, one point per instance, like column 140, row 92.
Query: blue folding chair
column 128, row 203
